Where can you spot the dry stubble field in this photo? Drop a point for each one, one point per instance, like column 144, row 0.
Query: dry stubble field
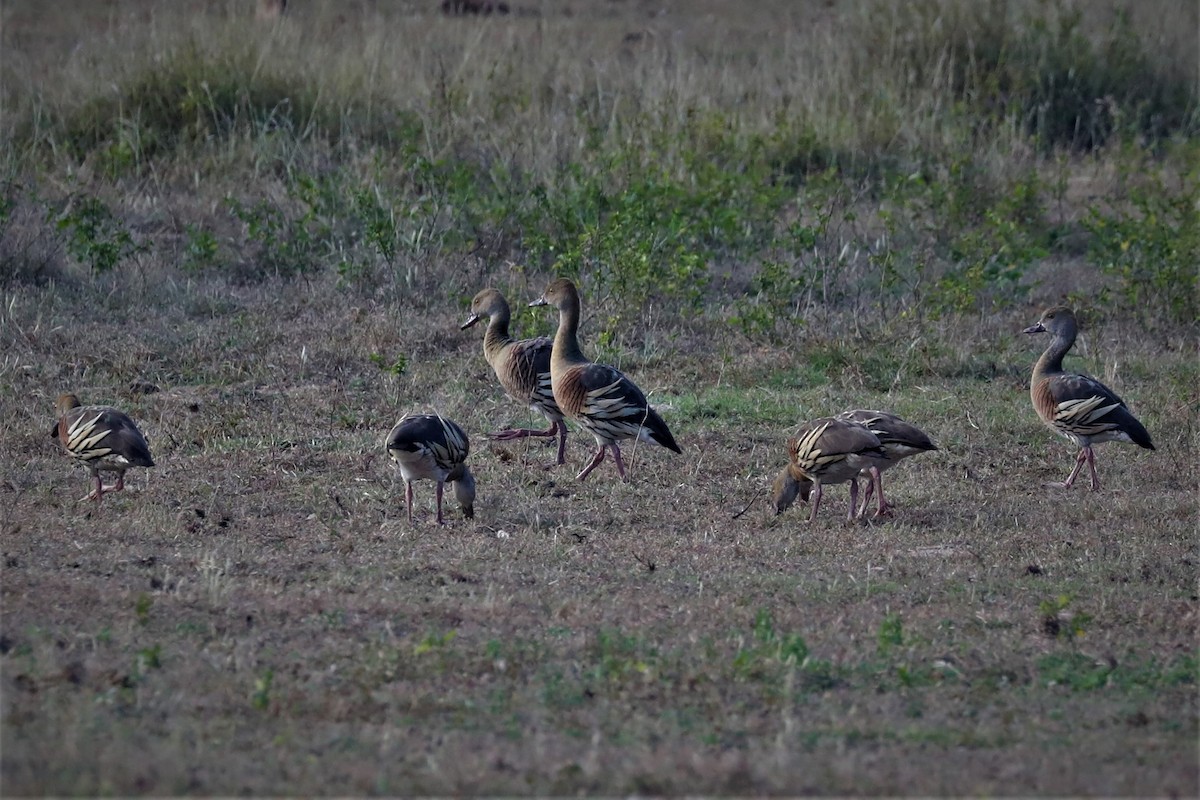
column 255, row 615
column 258, row 616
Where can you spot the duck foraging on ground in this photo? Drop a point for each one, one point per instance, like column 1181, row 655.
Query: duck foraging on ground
column 430, row 447
column 600, row 398
column 103, row 439
column 826, row 451
column 1077, row 406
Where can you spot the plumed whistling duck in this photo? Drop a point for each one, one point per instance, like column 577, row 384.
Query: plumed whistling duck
column 103, row 439
column 899, row 439
column 600, row 398
column 521, row 365
column 1079, row 407
column 826, row 451
column 430, row 447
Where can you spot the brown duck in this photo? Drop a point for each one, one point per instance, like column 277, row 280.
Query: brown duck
column 899, row 440
column 1079, row 407
column 522, row 367
column 101, row 438
column 600, row 398
column 431, row 447
column 826, row 451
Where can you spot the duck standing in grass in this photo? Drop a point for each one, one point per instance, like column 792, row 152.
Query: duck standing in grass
column 1079, row 407
column 600, row 398
column 430, row 447
column 899, row 439
column 522, row 366
column 825, row 451
column 102, row 438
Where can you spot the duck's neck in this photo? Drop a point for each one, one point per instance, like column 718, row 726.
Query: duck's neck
column 566, row 339
column 496, row 338
column 1051, row 361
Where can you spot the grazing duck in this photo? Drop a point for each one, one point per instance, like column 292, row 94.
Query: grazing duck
column 899, row 439
column 523, row 367
column 600, row 398
column 1079, row 407
column 826, row 451
column 430, row 447
column 102, row 438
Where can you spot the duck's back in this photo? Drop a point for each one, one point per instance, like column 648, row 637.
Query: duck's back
column 427, row 446
column 103, row 435
column 609, row 405
column 1084, row 410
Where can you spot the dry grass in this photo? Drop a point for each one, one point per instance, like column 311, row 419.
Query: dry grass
column 256, row 616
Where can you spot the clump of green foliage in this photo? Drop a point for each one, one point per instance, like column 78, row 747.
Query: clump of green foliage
column 1150, row 244
column 95, row 236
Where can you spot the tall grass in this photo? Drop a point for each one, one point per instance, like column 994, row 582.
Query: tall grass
column 792, row 154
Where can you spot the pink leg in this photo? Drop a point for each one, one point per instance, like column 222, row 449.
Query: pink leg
column 559, row 428
column 815, row 499
column 868, row 493
column 884, row 506
column 1079, row 460
column 853, row 499
column 562, row 441
column 1091, row 459
column 119, row 485
column 440, row 486
column 595, row 463
column 408, row 498
column 520, row 433
column 96, row 493
column 616, row 449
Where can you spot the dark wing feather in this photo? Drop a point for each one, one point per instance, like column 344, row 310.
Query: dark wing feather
column 437, row 436
column 659, row 431
column 824, row 443
column 610, row 405
column 93, row 432
column 1084, row 405
column 891, row 429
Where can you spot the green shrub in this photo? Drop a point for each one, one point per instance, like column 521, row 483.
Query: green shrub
column 1150, row 245
column 94, row 236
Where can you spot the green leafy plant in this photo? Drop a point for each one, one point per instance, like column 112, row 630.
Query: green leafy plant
column 617, row 656
column 771, row 648
column 142, row 608
column 779, row 286
column 94, row 236
column 891, row 633
column 1150, row 245
column 148, row 658
column 961, row 242
column 295, row 238
column 434, row 641
column 200, row 248
column 1074, row 670
column 378, row 222
column 394, row 367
